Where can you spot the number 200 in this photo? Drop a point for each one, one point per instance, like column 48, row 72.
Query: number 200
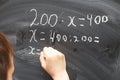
column 44, row 16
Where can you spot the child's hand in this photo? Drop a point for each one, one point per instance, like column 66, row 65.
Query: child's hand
column 54, row 63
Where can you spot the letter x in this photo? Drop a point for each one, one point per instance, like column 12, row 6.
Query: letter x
column 32, row 49
column 33, row 35
column 71, row 21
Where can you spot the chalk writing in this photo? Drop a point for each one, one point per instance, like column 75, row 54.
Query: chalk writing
column 33, row 22
column 52, row 19
column 62, row 37
column 71, row 21
column 33, row 35
column 45, row 19
column 42, row 39
column 75, row 39
column 52, row 36
column 58, row 36
column 31, row 50
column 96, row 40
column 97, row 19
column 34, row 51
column 68, row 38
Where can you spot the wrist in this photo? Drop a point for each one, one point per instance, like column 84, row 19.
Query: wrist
column 61, row 76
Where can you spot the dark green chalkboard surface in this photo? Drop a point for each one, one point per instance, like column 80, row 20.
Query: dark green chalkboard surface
column 86, row 31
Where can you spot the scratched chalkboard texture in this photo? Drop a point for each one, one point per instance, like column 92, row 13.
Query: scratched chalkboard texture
column 86, row 31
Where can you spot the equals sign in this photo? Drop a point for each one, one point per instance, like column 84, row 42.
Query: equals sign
column 82, row 25
column 42, row 32
column 38, row 53
column 82, row 19
column 38, row 49
column 96, row 40
column 42, row 39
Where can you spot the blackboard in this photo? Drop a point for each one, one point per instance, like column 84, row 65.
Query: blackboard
column 86, row 31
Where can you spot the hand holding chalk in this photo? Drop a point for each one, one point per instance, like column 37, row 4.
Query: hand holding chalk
column 54, row 63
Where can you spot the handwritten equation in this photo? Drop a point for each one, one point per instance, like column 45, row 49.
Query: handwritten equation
column 45, row 19
column 53, row 19
column 34, row 51
column 57, row 37
column 62, row 37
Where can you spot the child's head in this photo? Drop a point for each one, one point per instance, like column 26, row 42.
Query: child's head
column 6, row 58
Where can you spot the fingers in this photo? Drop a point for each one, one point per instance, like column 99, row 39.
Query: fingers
column 50, row 54
column 47, row 52
column 50, row 51
column 53, row 61
column 57, row 53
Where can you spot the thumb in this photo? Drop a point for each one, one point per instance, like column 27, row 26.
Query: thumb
column 42, row 60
